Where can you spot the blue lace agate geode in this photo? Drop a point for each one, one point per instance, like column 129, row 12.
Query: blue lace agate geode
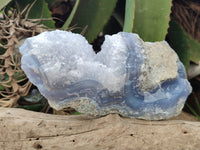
column 128, row 76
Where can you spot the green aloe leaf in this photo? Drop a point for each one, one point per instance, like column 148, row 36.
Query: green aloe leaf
column 39, row 9
column 178, row 41
column 129, row 16
column 3, row 3
column 69, row 20
column 93, row 14
column 186, row 47
column 151, row 19
column 194, row 49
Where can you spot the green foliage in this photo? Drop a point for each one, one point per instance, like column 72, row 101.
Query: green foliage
column 35, row 107
column 6, row 79
column 2, row 87
column 177, row 40
column 152, row 19
column 116, row 21
column 119, row 12
column 195, row 107
column 129, row 16
column 69, row 20
column 194, row 49
column 193, row 111
column 39, row 10
column 94, row 15
column 186, row 47
column 148, row 18
column 76, row 113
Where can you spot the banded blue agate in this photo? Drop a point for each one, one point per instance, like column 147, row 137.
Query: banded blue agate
column 128, row 76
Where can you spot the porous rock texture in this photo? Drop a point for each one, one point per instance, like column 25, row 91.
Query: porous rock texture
column 26, row 130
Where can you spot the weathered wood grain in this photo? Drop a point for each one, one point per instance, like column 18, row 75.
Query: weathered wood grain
column 24, row 130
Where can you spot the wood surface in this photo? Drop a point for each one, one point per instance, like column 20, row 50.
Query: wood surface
column 23, row 130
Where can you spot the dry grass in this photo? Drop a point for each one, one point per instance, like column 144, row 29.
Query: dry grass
column 15, row 27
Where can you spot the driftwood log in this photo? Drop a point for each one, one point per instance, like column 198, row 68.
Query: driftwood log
column 24, row 130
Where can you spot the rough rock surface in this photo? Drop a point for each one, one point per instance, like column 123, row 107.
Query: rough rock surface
column 26, row 130
column 160, row 64
column 128, row 76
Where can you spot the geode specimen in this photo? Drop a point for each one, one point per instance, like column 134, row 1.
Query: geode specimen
column 128, row 76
